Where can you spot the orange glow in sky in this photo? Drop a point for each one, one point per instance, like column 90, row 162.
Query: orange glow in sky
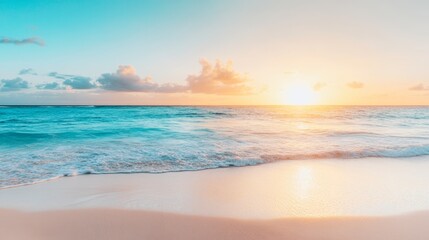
column 299, row 94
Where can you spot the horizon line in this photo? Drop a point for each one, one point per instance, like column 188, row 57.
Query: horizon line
column 211, row 105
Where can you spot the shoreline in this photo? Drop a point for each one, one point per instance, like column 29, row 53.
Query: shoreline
column 55, row 178
column 125, row 173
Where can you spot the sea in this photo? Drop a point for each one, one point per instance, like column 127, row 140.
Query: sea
column 39, row 143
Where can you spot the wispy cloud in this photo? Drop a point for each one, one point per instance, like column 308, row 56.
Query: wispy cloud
column 8, row 85
column 60, row 76
column 355, row 85
column 418, row 87
column 27, row 71
column 126, row 80
column 50, row 86
column 32, row 40
column 219, row 79
column 318, row 86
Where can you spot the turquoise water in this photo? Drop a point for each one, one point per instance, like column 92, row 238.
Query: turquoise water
column 44, row 142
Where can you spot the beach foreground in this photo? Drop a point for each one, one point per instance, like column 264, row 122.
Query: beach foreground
column 321, row 199
column 131, row 224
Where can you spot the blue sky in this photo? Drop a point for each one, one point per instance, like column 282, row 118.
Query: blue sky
column 381, row 46
column 89, row 37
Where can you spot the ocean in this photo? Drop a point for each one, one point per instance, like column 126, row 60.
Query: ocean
column 38, row 143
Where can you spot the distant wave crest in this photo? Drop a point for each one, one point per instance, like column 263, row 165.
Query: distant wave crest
column 22, row 135
column 405, row 152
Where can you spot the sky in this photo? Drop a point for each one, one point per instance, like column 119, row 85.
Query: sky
column 214, row 52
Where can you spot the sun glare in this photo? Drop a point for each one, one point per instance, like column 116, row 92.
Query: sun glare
column 299, row 94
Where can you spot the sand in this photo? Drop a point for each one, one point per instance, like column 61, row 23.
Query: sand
column 135, row 224
column 324, row 199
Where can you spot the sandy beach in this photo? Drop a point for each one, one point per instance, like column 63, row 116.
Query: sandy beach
column 284, row 200
column 127, row 224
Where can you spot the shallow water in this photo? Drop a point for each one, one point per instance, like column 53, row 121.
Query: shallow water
column 43, row 142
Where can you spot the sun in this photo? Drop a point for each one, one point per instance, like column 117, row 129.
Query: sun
column 299, row 94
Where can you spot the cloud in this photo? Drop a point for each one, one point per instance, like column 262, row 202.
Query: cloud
column 419, row 87
column 355, row 85
column 78, row 82
column 50, row 86
column 27, row 71
column 126, row 80
column 318, row 86
column 218, row 79
column 8, row 85
column 74, row 81
column 60, row 76
column 214, row 78
column 33, row 40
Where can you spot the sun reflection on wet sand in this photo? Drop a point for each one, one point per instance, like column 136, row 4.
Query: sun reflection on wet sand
column 318, row 189
column 303, row 182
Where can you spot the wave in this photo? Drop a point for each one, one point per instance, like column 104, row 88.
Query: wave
column 22, row 135
column 348, row 133
column 404, row 152
column 31, row 183
column 153, row 168
column 75, row 173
